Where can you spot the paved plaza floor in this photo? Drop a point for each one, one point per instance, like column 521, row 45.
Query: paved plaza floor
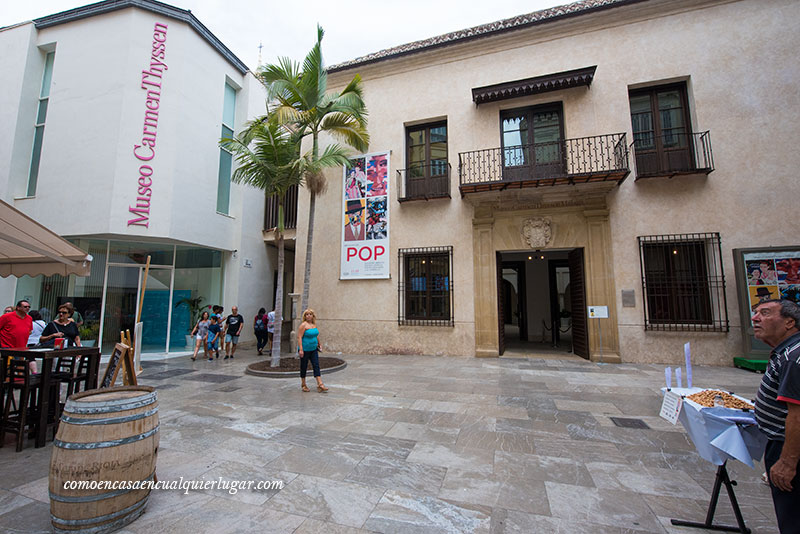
column 418, row 444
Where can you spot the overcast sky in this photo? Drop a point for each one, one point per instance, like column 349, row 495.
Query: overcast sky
column 353, row 28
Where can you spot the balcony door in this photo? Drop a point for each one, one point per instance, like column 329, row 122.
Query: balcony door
column 533, row 142
column 661, row 130
column 427, row 174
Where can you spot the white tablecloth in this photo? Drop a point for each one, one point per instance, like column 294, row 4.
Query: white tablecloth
column 720, row 434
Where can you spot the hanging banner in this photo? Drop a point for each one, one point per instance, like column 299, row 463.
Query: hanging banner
column 365, row 221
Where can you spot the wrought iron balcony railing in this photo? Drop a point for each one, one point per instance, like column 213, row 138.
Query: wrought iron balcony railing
column 424, row 182
column 289, row 210
column 569, row 161
column 672, row 153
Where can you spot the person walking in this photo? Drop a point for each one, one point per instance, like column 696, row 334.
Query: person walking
column 201, row 334
column 212, row 337
column 308, row 345
column 233, row 327
column 260, row 329
column 270, row 328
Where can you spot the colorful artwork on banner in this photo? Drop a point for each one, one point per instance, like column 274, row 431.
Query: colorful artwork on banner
column 365, row 221
column 773, row 275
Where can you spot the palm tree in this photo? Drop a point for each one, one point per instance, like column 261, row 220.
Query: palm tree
column 269, row 159
column 305, row 106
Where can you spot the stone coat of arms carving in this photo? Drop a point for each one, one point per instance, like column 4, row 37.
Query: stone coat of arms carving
column 537, row 232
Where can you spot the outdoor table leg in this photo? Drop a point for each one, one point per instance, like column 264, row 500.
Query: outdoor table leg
column 44, row 403
column 722, row 478
column 94, row 369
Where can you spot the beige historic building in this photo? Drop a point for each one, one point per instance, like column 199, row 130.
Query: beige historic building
column 624, row 155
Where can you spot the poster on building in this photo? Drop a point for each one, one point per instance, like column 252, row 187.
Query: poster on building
column 365, row 218
column 772, row 275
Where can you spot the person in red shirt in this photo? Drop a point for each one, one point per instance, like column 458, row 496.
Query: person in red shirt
column 16, row 326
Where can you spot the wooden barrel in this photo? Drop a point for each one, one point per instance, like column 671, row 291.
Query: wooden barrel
column 105, row 436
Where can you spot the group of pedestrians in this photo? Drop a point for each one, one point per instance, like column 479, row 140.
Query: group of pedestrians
column 212, row 327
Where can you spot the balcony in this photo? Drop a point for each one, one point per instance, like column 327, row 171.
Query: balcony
column 424, row 182
column 602, row 158
column 672, row 154
column 289, row 211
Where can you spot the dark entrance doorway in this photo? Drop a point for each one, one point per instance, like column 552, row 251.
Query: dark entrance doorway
column 541, row 302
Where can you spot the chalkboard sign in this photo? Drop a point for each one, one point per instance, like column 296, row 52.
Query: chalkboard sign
column 121, row 355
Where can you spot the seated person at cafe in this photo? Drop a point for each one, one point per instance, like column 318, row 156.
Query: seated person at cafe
column 61, row 327
column 16, row 326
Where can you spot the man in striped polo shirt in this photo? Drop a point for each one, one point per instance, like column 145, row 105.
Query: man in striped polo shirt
column 777, row 323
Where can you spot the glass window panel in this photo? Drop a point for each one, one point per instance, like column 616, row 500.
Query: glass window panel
column 229, row 106
column 513, row 138
column 47, row 77
column 515, row 123
column 224, row 181
column 416, row 137
column 644, row 140
column 642, row 122
column 41, row 114
column 196, row 258
column 547, row 153
column 640, row 104
column 439, row 151
column 439, row 134
column 547, row 134
column 669, row 100
column 417, row 154
column 227, row 133
column 549, row 118
column 136, row 253
column 33, row 177
column 671, row 119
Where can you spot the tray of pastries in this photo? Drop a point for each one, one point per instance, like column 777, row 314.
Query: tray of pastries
column 707, row 397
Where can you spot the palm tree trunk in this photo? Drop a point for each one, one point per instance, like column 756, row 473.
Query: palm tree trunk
column 310, row 234
column 309, row 241
column 276, row 336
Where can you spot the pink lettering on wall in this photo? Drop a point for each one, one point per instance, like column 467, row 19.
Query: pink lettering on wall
column 145, row 150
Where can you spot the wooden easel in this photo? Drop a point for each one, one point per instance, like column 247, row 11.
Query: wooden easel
column 125, row 339
column 122, row 354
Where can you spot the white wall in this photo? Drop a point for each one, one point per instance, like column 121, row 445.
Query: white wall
column 88, row 174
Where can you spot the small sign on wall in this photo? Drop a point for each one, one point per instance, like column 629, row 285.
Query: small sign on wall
column 247, row 264
column 598, row 312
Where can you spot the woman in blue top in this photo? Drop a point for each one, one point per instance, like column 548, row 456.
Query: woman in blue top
column 308, row 343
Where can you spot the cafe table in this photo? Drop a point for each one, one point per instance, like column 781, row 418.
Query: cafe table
column 47, row 357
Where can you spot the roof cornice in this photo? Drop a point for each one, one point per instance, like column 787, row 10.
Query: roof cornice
column 545, row 16
column 153, row 6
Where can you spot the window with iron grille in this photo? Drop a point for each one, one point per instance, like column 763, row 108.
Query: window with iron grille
column 683, row 284
column 426, row 286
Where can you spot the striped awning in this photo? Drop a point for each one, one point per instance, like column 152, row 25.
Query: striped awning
column 27, row 247
column 535, row 85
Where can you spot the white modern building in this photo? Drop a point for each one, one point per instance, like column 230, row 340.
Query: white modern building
column 110, row 120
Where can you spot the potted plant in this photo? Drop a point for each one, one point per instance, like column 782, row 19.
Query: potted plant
column 89, row 333
column 195, row 309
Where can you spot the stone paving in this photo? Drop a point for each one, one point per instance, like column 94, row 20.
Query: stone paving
column 417, row 444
